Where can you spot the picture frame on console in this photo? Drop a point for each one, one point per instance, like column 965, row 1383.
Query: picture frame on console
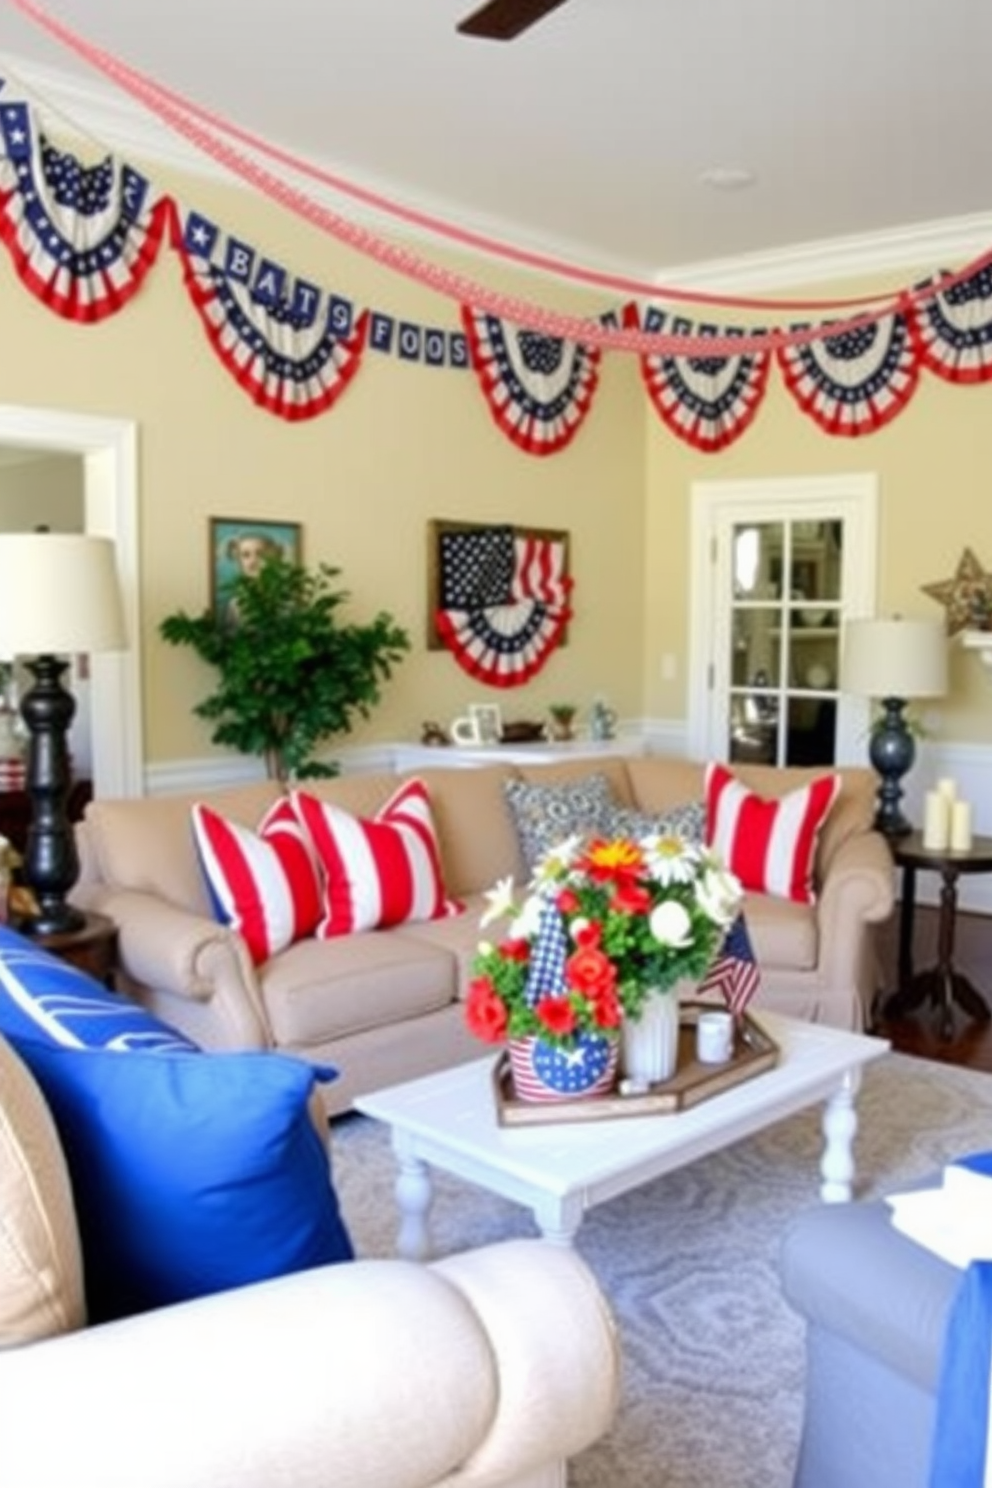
column 488, row 721
column 239, row 545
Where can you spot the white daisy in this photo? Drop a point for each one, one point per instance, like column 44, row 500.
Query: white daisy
column 671, row 859
column 499, row 902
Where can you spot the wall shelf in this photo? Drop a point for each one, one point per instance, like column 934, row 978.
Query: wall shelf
column 980, row 641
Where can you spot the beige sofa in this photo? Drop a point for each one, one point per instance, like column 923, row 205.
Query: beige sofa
column 384, row 1005
column 484, row 1370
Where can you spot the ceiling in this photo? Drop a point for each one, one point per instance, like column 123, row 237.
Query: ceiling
column 590, row 134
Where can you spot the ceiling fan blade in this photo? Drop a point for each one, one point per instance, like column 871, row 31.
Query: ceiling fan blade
column 502, row 20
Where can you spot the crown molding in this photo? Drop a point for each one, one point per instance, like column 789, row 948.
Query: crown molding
column 110, row 119
column 922, row 246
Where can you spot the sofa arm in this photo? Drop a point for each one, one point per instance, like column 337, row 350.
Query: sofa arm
column 377, row 1374
column 183, row 958
column 857, row 891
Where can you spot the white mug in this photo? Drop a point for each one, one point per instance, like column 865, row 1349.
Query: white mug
column 465, row 731
column 714, row 1037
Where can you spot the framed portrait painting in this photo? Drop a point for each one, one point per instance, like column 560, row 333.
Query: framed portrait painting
column 240, row 546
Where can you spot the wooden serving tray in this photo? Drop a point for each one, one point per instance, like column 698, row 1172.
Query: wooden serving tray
column 753, row 1053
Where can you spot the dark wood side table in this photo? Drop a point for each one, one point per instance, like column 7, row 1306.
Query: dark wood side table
column 92, row 949
column 942, row 985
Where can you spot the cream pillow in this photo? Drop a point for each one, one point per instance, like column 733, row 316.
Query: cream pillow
column 41, row 1273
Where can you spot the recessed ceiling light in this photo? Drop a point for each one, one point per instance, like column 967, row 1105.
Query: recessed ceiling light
column 728, row 177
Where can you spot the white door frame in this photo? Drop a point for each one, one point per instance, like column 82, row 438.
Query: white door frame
column 108, row 449
column 852, row 496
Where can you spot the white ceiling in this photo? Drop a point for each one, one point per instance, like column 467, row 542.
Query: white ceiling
column 589, row 134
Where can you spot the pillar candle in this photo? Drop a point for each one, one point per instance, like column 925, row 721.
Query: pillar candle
column 936, row 821
column 961, row 826
column 947, row 789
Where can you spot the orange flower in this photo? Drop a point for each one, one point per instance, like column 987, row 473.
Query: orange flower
column 618, row 859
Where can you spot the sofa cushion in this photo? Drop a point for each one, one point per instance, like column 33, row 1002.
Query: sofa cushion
column 545, row 815
column 192, row 1172
column 41, row 1271
column 264, row 884
column 770, row 844
column 319, row 990
column 377, row 871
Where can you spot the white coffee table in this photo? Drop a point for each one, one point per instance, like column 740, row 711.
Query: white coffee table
column 559, row 1170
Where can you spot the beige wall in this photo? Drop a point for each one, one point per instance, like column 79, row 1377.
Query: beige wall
column 933, row 464
column 405, row 444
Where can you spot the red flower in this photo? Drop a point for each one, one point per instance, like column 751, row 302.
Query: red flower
column 631, row 898
column 515, row 950
column 590, row 972
column 589, row 937
column 606, row 1009
column 568, row 901
column 485, row 1014
column 556, row 1013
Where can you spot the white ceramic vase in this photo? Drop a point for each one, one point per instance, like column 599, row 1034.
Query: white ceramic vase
column 649, row 1045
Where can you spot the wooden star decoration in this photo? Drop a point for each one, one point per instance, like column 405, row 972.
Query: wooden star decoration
column 967, row 596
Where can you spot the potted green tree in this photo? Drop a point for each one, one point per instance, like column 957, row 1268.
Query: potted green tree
column 291, row 674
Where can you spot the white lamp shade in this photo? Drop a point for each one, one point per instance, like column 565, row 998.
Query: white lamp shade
column 58, row 594
column 894, row 658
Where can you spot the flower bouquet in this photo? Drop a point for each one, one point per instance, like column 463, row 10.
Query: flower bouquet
column 603, row 925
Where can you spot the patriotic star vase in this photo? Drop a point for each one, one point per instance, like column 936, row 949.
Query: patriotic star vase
column 543, row 1072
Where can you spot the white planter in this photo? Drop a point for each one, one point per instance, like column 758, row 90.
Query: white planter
column 649, row 1045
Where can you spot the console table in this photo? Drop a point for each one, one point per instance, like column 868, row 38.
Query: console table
column 543, row 752
column 942, row 985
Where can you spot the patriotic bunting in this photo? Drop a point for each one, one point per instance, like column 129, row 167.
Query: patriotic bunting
column 857, row 381
column 539, row 388
column 291, row 346
column 952, row 332
column 82, row 238
column 503, row 602
column 707, row 401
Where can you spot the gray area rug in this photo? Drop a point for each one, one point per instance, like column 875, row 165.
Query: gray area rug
column 713, row 1356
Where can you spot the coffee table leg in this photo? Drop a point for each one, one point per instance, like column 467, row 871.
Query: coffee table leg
column 840, row 1122
column 558, row 1219
column 414, row 1194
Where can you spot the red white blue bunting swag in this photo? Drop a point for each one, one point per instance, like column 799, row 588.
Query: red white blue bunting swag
column 855, row 382
column 539, row 388
column 952, row 332
column 504, row 602
column 291, row 346
column 707, row 401
column 82, row 238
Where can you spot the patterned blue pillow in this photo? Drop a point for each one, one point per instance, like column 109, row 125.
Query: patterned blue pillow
column 192, row 1172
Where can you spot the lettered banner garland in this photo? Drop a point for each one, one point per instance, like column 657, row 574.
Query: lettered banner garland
column 83, row 239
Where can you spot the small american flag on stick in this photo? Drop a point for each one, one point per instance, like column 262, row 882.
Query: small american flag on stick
column 734, row 973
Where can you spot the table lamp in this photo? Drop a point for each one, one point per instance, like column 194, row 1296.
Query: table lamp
column 894, row 661
column 58, row 595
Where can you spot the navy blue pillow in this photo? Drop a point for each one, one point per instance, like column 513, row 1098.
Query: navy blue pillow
column 192, row 1172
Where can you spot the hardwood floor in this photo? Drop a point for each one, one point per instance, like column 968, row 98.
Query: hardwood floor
column 919, row 1032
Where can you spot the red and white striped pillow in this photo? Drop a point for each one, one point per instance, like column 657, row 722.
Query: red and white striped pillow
column 264, row 884
column 380, row 871
column 769, row 843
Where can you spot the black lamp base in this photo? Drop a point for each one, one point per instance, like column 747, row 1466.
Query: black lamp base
column 892, row 751
column 51, row 860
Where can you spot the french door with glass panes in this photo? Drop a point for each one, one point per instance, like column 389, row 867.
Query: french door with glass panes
column 777, row 567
